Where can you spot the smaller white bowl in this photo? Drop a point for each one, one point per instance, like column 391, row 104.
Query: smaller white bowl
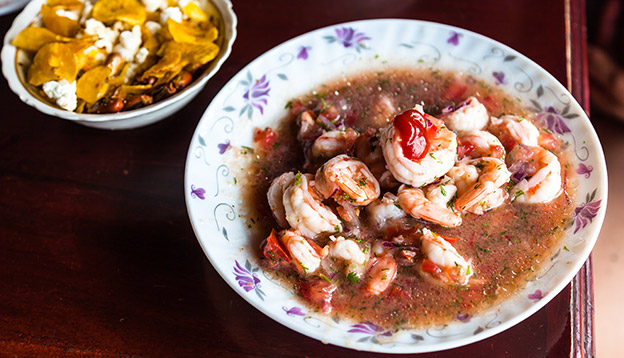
column 15, row 65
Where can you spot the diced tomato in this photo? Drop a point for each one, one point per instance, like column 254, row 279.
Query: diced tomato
column 297, row 107
column 408, row 255
column 430, row 267
column 547, row 141
column 331, row 113
column 318, row 292
column 489, row 103
column 455, row 91
column 266, row 138
column 274, row 251
column 464, row 148
column 399, row 293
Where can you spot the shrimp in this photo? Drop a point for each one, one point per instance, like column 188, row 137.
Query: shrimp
column 384, row 211
column 349, row 251
column 465, row 175
column 493, row 175
column 418, row 148
column 539, row 177
column 343, row 177
column 514, row 129
column 275, row 196
column 381, row 275
column 416, row 203
column 335, row 142
column 304, row 209
column 443, row 263
column 467, row 116
column 305, row 257
column 477, row 144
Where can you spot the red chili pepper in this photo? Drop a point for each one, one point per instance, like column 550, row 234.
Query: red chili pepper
column 266, row 138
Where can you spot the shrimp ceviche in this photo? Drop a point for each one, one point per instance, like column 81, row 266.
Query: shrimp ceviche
column 407, row 198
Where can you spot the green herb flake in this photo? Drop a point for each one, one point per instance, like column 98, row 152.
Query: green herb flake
column 352, row 278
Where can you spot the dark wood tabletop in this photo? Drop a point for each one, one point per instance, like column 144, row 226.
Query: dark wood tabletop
column 97, row 254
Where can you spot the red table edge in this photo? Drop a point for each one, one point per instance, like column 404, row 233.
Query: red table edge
column 582, row 295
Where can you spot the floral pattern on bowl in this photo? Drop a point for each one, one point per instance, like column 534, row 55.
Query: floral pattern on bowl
column 256, row 96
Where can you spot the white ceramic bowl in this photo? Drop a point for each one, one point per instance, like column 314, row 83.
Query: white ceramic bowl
column 14, row 70
column 256, row 96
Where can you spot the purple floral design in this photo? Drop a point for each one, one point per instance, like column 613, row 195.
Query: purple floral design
column 500, row 77
column 371, row 330
column 256, row 94
column 303, row 52
column 247, row 278
column 454, row 39
column 295, row 311
column 586, row 212
column 552, row 120
column 197, row 193
column 348, row 37
column 536, row 296
column 223, row 146
column 584, row 170
column 465, row 318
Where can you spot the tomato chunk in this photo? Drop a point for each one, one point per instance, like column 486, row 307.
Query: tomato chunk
column 274, row 251
column 318, row 292
column 430, row 267
column 455, row 91
column 265, row 138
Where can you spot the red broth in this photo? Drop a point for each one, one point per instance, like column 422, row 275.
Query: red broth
column 508, row 245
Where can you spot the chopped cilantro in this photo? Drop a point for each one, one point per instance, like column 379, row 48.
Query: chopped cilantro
column 298, row 178
column 352, row 278
column 517, row 194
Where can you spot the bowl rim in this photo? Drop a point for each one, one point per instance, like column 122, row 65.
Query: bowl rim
column 592, row 234
column 9, row 69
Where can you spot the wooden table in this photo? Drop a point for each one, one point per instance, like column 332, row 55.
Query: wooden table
column 97, row 255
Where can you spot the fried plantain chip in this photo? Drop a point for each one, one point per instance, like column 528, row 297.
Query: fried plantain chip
column 54, row 61
column 128, row 11
column 195, row 12
column 33, row 38
column 187, row 32
column 92, row 85
column 58, row 24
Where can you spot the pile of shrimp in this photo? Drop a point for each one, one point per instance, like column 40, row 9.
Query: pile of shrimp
column 366, row 202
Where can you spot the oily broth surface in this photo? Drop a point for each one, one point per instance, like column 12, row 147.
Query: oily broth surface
column 507, row 245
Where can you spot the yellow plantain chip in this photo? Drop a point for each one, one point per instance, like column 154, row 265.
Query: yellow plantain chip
column 68, row 4
column 195, row 12
column 92, row 85
column 82, row 54
column 187, row 32
column 171, row 60
column 128, row 11
column 33, row 38
column 54, row 61
column 203, row 53
column 58, row 24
